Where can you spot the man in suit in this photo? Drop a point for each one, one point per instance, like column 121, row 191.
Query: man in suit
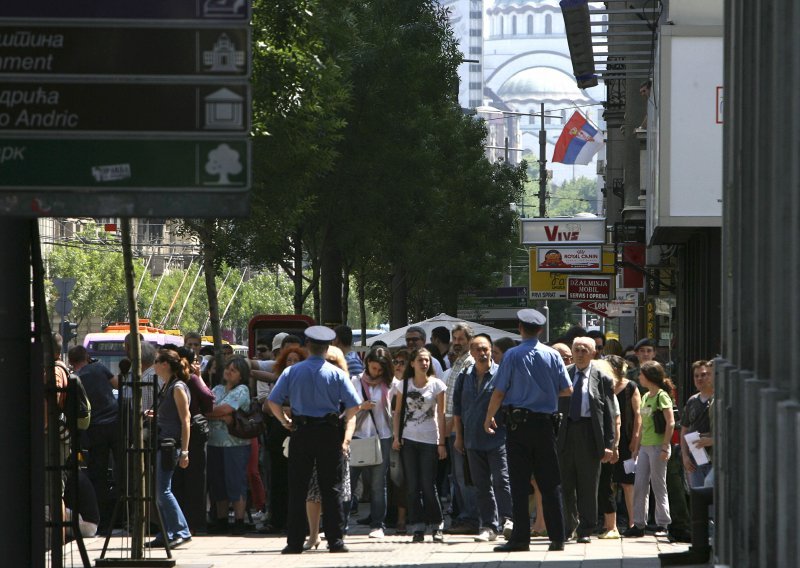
column 586, row 438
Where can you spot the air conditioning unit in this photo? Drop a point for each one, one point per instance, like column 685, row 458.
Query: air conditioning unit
column 601, row 168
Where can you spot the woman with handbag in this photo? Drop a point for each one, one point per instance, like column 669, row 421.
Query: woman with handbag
column 172, row 420
column 418, row 429
column 374, row 432
column 227, row 454
column 189, row 485
column 653, row 449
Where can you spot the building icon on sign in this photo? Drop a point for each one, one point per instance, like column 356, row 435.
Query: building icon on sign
column 223, row 56
column 224, row 110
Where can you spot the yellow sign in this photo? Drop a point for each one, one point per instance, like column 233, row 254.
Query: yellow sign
column 553, row 285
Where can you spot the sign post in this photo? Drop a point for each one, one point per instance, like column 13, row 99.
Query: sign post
column 103, row 103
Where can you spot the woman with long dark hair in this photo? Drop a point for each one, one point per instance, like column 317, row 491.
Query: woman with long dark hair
column 653, row 449
column 374, row 419
column 422, row 442
column 227, row 454
column 172, row 411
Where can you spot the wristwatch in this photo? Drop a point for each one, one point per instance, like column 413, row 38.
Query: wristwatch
column 184, row 453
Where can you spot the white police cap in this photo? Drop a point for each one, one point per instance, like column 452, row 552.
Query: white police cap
column 320, row 334
column 531, row 316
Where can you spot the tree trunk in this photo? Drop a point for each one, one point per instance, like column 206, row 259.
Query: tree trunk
column 297, row 277
column 209, row 255
column 331, row 309
column 315, row 290
column 362, row 305
column 345, row 293
column 398, row 311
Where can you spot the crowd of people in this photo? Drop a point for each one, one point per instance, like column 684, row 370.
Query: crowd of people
column 486, row 431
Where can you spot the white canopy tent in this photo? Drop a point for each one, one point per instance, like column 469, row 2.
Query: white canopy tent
column 396, row 337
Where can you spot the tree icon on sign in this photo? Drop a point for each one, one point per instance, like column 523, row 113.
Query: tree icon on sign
column 223, row 161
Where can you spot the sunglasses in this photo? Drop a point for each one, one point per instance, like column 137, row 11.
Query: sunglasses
column 398, row 362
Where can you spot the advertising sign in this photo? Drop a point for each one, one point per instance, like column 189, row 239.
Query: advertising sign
column 569, row 259
column 548, row 285
column 587, row 288
column 566, row 230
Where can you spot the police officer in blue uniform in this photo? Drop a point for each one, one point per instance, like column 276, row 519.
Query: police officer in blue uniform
column 315, row 390
column 528, row 383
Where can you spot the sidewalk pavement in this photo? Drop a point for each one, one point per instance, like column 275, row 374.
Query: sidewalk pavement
column 254, row 550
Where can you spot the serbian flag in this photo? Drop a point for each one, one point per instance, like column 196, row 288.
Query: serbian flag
column 579, row 141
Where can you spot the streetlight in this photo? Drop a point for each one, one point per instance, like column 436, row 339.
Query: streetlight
column 542, row 146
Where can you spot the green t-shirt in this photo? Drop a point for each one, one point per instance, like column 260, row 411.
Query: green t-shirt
column 651, row 404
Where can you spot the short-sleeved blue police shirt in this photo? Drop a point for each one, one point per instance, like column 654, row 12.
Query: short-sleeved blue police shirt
column 315, row 388
column 531, row 375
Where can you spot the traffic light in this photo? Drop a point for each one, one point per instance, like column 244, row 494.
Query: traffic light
column 68, row 331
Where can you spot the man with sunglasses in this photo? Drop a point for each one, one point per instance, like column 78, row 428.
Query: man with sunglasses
column 415, row 339
column 263, row 353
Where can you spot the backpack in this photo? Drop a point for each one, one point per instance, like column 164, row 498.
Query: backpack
column 77, row 411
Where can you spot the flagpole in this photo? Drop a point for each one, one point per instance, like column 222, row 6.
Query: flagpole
column 586, row 116
column 542, row 165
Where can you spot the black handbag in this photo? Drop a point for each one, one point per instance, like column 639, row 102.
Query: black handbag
column 659, row 421
column 199, row 427
column 248, row 423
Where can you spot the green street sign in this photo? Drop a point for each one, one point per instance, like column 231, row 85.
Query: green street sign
column 219, row 165
column 478, row 302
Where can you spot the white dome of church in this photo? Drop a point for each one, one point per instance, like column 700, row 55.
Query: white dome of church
column 542, row 84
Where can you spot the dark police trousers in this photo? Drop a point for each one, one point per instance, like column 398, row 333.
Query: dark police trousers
column 319, row 442
column 531, row 448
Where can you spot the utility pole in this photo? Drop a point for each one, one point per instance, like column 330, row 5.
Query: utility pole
column 542, row 165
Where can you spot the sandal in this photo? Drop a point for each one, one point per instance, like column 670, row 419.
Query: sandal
column 536, row 533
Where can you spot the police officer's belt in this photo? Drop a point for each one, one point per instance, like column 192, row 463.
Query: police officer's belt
column 331, row 419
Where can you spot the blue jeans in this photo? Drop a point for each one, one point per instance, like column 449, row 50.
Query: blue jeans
column 490, row 475
column 420, row 463
column 468, row 496
column 174, row 522
column 377, row 485
column 697, row 478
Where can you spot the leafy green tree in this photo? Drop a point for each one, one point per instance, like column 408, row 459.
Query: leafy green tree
column 96, row 264
column 572, row 197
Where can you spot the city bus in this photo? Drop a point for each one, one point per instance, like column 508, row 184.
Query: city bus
column 107, row 346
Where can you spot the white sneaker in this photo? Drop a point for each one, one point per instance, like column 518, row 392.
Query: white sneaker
column 486, row 535
column 376, row 533
column 508, row 528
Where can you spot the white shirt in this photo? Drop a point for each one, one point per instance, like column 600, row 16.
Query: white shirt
column 365, row 425
column 263, row 389
column 421, row 423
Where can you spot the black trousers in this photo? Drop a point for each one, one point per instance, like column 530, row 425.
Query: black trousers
column 278, row 488
column 189, row 485
column 531, row 448
column 320, row 443
column 103, row 443
column 580, row 473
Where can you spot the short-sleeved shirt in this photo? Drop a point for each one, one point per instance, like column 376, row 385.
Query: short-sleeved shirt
column 355, row 366
column 451, row 376
column 650, row 405
column 263, row 388
column 238, row 397
column 96, row 379
column 531, row 375
column 314, row 388
column 696, row 415
column 470, row 402
column 420, row 420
